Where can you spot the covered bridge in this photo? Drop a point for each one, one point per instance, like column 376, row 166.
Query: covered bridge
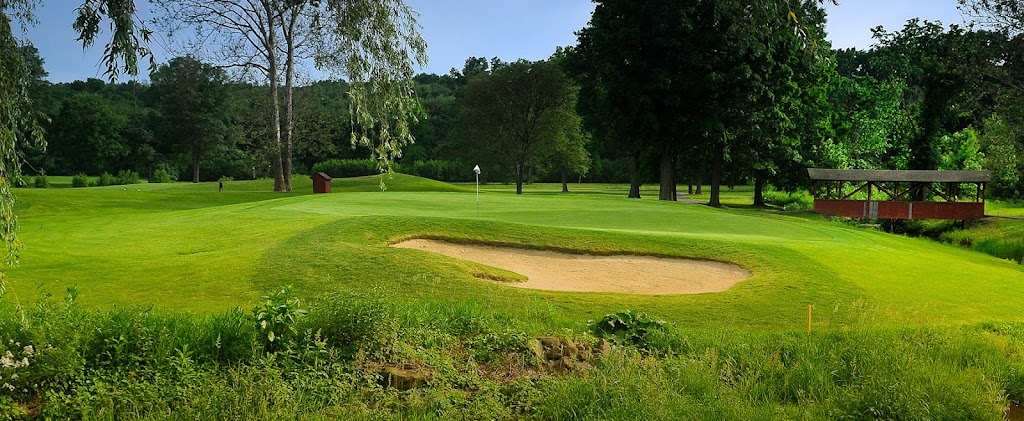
column 890, row 194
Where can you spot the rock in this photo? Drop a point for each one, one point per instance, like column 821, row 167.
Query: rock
column 404, row 379
column 567, row 365
column 550, row 341
column 570, row 349
column 536, row 348
column 554, row 353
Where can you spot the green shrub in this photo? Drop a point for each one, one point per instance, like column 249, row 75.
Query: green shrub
column 354, row 324
column 276, row 316
column 80, row 180
column 161, row 176
column 628, row 327
column 127, row 177
column 41, row 182
column 19, row 181
column 800, row 200
column 344, row 168
column 105, row 179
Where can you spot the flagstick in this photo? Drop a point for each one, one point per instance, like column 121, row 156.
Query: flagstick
column 478, row 195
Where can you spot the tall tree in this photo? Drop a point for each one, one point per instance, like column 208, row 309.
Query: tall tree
column 194, row 105
column 516, row 114
column 944, row 71
column 249, row 34
column 85, row 135
column 371, row 43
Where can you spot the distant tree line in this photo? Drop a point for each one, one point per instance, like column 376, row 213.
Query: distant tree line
column 717, row 92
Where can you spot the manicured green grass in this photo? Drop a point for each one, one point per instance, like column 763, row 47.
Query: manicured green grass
column 1004, row 208
column 185, row 246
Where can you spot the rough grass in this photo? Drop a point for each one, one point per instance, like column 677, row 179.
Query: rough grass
column 137, row 363
column 185, row 246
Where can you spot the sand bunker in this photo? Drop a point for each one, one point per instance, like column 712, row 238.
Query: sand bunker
column 576, row 272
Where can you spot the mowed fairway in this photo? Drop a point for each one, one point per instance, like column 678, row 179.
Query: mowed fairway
column 189, row 247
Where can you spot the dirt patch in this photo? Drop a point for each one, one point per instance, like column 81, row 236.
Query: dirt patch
column 556, row 271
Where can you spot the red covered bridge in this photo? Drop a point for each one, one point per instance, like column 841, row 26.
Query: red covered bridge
column 890, row 194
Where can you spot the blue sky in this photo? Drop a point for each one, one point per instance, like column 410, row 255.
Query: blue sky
column 509, row 29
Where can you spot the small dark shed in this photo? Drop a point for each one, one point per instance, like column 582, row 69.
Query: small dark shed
column 321, row 183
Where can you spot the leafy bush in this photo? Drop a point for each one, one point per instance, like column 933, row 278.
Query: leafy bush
column 105, row 179
column 343, row 168
column 127, row 177
column 354, row 324
column 19, row 181
column 800, row 200
column 628, row 327
column 276, row 316
column 80, row 180
column 41, row 182
column 161, row 176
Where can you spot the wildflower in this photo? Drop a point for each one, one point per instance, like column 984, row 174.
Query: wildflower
column 28, row 350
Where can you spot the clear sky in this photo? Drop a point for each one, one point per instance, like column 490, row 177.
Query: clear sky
column 509, row 29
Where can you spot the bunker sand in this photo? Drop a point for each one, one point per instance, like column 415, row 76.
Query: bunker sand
column 555, row 271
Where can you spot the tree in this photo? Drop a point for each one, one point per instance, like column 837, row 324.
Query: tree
column 630, row 63
column 194, row 105
column 1007, row 15
column 522, row 111
column 372, row 43
column 85, row 135
column 945, row 75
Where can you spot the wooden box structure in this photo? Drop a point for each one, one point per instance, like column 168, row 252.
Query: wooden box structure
column 321, row 183
column 904, row 194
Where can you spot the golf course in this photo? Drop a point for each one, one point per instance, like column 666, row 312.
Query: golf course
column 186, row 247
column 154, row 276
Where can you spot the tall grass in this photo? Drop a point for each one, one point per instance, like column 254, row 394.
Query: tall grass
column 134, row 363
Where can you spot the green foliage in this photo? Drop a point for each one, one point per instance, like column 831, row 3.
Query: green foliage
column 440, row 170
column 161, row 176
column 195, row 108
column 127, row 177
column 517, row 116
column 353, row 324
column 40, row 182
column 80, row 180
column 960, row 151
column 628, row 327
column 276, row 316
column 801, row 200
column 376, row 45
column 134, row 363
column 105, row 179
column 1004, row 156
column 344, row 168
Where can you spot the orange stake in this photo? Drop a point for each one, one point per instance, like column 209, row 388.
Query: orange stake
column 808, row 319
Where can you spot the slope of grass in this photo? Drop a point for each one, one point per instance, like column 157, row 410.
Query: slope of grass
column 186, row 246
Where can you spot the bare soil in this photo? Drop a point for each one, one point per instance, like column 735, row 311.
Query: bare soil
column 555, row 271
